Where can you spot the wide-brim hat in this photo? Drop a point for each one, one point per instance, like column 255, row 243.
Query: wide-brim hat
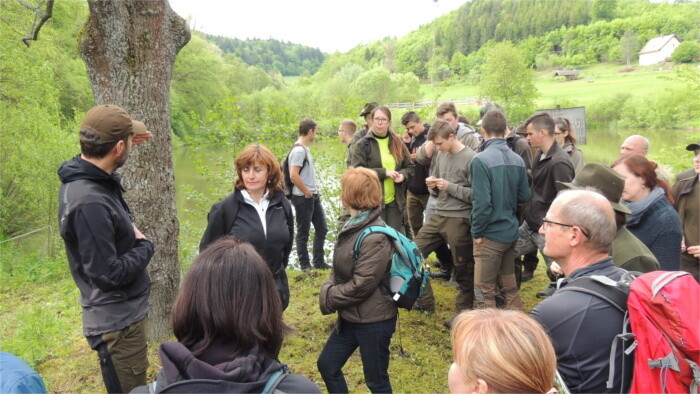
column 604, row 179
column 368, row 108
column 111, row 123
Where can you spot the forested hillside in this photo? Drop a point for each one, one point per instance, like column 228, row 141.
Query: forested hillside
column 285, row 58
column 548, row 33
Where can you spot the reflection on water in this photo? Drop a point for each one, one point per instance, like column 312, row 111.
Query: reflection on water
column 604, row 142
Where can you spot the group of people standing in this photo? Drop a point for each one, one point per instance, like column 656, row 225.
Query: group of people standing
column 477, row 199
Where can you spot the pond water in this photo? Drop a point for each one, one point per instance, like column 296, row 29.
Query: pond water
column 204, row 176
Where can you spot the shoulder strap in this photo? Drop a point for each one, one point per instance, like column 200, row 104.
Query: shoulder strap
column 394, row 238
column 390, row 232
column 275, row 379
column 601, row 287
column 230, row 210
column 306, row 158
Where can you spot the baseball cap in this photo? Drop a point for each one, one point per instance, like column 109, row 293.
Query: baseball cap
column 111, row 123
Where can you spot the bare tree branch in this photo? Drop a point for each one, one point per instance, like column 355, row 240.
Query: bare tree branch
column 43, row 16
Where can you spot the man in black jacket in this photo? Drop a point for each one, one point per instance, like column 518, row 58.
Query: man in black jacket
column 107, row 254
column 579, row 230
column 550, row 169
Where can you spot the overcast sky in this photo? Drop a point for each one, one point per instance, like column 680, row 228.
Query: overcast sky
column 330, row 25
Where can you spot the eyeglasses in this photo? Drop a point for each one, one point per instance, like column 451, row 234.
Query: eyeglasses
column 380, row 120
column 546, row 223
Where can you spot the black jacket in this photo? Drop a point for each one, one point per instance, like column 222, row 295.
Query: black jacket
column 548, row 174
column 221, row 373
column 234, row 217
column 106, row 260
column 582, row 327
column 416, row 182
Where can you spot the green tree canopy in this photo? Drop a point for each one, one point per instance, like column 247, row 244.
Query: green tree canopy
column 506, row 78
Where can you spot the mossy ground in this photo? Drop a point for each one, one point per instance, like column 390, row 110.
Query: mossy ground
column 42, row 325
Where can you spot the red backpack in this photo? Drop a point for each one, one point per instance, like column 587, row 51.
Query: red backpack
column 663, row 311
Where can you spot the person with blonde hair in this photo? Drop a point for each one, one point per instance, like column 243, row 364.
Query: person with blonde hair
column 357, row 290
column 257, row 212
column 500, row 351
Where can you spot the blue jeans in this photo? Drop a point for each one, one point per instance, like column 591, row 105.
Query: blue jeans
column 373, row 340
column 309, row 211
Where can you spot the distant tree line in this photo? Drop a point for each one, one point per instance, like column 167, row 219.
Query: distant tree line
column 285, row 58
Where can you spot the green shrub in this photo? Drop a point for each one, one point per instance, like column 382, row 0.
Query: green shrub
column 686, row 52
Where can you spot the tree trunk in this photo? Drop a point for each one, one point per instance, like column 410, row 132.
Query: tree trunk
column 129, row 48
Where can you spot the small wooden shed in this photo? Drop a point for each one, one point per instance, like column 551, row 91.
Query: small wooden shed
column 569, row 74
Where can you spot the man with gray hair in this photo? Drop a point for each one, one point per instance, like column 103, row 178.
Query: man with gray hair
column 627, row 251
column 579, row 230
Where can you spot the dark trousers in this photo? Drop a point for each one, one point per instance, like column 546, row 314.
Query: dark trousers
column 393, row 216
column 309, row 211
column 123, row 357
column 457, row 233
column 415, row 207
column 373, row 339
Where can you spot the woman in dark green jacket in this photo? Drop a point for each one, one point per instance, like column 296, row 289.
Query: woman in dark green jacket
column 382, row 151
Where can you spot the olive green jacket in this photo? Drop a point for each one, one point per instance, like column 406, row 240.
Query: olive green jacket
column 629, row 253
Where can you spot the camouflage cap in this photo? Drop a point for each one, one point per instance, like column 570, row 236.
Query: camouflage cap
column 367, row 108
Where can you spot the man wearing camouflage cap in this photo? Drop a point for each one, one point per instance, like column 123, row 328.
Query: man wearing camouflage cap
column 366, row 114
column 106, row 253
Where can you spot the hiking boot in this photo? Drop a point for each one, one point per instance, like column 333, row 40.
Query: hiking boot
column 442, row 275
column 423, row 309
column 323, row 266
column 526, row 276
column 548, row 291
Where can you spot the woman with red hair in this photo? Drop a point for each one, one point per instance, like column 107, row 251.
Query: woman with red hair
column 653, row 219
column 257, row 212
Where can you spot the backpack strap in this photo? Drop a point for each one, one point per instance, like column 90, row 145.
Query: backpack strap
column 275, row 379
column 614, row 293
column 386, row 230
column 230, row 207
column 601, row 287
column 306, row 157
column 393, row 237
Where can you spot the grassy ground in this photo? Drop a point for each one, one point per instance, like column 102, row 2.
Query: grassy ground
column 600, row 79
column 41, row 324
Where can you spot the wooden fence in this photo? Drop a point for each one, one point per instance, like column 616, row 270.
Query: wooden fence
column 477, row 101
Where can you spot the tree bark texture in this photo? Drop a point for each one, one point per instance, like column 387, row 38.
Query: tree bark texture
column 129, row 48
